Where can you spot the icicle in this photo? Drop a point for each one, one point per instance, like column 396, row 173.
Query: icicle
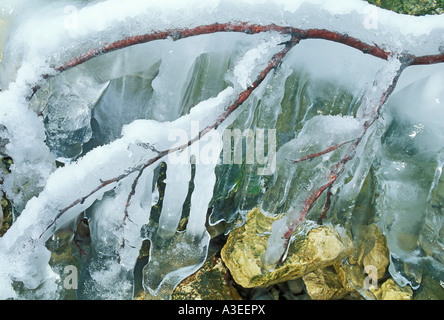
column 204, row 181
column 176, row 190
column 316, row 131
column 173, row 260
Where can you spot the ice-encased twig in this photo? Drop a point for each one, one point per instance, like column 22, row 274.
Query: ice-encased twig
column 368, row 113
column 102, row 184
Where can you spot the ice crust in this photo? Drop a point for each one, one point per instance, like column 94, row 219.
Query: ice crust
column 101, row 89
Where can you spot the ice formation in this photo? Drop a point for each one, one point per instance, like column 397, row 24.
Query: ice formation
column 91, row 139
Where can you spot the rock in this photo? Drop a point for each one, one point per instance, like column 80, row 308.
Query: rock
column 319, row 247
column 430, row 289
column 364, row 271
column 296, row 286
column 6, row 216
column 390, row 290
column 324, row 284
column 210, row 282
column 379, row 255
column 368, row 263
column 264, row 294
column 144, row 251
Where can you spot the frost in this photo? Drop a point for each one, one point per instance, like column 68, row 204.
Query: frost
column 91, row 139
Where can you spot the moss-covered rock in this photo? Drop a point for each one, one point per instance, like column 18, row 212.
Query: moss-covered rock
column 411, row 7
column 368, row 264
column 6, row 216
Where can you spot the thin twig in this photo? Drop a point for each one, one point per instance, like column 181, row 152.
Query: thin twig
column 274, row 62
column 326, row 206
column 317, row 154
column 297, row 35
column 339, row 167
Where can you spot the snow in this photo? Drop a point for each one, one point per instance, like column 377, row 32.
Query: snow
column 40, row 35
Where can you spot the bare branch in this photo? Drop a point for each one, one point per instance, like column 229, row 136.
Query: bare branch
column 326, row 206
column 317, row 154
column 339, row 167
column 243, row 27
column 274, row 62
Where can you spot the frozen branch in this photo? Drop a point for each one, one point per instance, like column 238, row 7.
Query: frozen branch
column 339, row 167
column 318, row 154
column 243, row 27
column 296, row 36
column 114, row 181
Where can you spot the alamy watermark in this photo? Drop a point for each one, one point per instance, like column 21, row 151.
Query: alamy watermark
column 233, row 146
column 71, row 21
column 71, row 277
column 371, row 280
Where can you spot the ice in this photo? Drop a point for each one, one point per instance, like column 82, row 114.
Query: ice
column 68, row 126
column 115, row 245
column 170, row 264
column 109, row 117
column 65, row 104
column 410, row 168
column 178, row 61
column 252, row 58
column 318, row 133
column 32, row 160
column 176, row 190
column 176, row 254
column 67, row 184
column 204, row 181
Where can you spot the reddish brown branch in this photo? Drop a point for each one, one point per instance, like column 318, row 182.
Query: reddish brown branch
column 326, row 206
column 244, row 27
column 339, row 167
column 296, row 36
column 241, row 27
column 424, row 60
column 274, row 62
column 373, row 50
column 173, row 34
column 315, row 155
column 82, row 199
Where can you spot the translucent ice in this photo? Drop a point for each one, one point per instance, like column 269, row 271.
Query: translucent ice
column 409, row 174
column 109, row 119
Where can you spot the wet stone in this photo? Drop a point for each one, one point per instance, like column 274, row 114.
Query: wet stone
column 324, row 284
column 210, row 282
column 295, row 286
column 390, row 290
column 5, row 216
column 430, row 289
column 368, row 264
column 309, row 251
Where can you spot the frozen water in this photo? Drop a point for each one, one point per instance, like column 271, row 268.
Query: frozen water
column 409, row 174
column 68, row 126
column 176, row 191
column 109, row 117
